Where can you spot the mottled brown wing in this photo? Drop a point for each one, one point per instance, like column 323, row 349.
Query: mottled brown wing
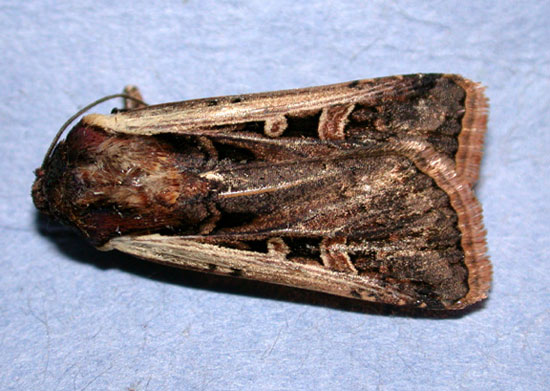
column 447, row 111
column 397, row 210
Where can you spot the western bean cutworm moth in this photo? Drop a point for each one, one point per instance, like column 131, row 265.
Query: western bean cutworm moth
column 361, row 189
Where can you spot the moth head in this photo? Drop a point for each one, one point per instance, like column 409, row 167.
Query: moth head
column 38, row 196
column 50, row 191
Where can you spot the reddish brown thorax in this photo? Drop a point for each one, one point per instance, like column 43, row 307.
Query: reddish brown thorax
column 107, row 185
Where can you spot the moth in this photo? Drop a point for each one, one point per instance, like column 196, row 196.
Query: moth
column 362, row 189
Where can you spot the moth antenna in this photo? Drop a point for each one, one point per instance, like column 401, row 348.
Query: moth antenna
column 82, row 111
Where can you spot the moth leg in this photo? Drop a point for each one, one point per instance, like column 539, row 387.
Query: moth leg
column 137, row 102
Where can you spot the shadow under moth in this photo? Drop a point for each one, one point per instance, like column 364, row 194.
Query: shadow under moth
column 361, row 189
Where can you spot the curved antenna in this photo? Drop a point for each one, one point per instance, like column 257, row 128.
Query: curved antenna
column 78, row 114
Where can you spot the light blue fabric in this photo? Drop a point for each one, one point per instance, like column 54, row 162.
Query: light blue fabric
column 75, row 318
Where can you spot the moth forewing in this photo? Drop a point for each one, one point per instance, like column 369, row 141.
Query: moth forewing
column 271, row 267
column 222, row 114
column 360, row 189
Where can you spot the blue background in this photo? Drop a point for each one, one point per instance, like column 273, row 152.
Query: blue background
column 73, row 318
